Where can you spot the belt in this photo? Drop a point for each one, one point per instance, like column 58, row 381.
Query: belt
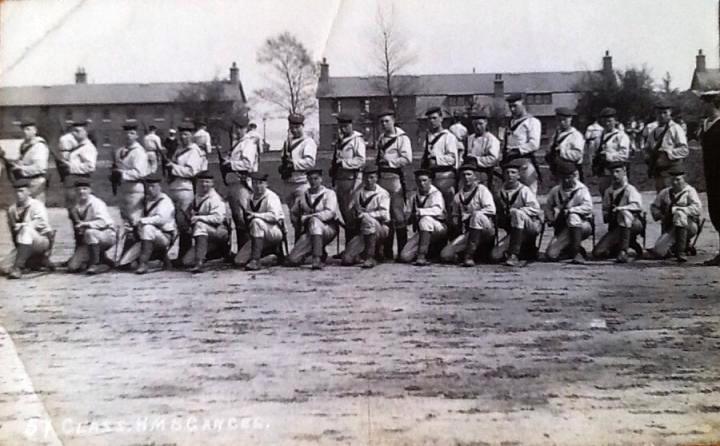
column 395, row 170
column 443, row 169
column 32, row 177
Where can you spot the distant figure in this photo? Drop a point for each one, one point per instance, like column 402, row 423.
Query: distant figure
column 710, row 140
column 152, row 144
column 171, row 143
column 460, row 132
column 202, row 138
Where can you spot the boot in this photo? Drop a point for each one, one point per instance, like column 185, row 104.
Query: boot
column 201, row 248
column 257, row 249
column 423, row 247
column 24, row 252
column 146, row 250
column 514, row 247
column 388, row 245
column 370, row 242
column 681, row 242
column 317, row 251
column 472, row 244
column 94, row 266
column 184, row 245
column 576, row 246
column 624, row 245
column 402, row 238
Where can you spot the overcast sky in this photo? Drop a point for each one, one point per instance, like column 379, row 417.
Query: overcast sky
column 44, row 41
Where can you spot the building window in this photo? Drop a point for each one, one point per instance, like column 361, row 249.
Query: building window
column 459, row 101
column 337, row 106
column 538, row 99
column 17, row 116
column 130, row 114
column 106, row 115
column 159, row 113
column 68, row 115
column 106, row 140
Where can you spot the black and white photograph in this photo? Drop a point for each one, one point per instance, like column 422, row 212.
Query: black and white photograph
column 359, row 222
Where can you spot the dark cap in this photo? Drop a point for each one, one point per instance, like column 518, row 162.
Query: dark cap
column 185, row 127
column 676, row 170
column 513, row 163
column 370, row 168
column 296, row 118
column 662, row 104
column 22, row 182
column 152, row 179
column 610, row 165
column 565, row 167
column 27, row 123
column 152, row 127
column 314, row 171
column 128, row 127
column 205, row 175
column 564, row 111
column 469, row 165
column 608, row 112
column 344, row 118
column 257, row 176
column 423, row 172
column 433, row 110
column 241, row 121
column 199, row 122
column 79, row 123
column 386, row 112
column 479, row 114
column 82, row 182
column 514, row 97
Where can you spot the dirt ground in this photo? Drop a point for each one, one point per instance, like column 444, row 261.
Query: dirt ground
column 553, row 354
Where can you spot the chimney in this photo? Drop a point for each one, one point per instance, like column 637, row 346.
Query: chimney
column 234, row 74
column 324, row 71
column 607, row 68
column 499, row 87
column 80, row 76
column 700, row 62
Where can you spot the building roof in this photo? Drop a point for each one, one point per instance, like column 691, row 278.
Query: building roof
column 455, row 84
column 706, row 80
column 96, row 94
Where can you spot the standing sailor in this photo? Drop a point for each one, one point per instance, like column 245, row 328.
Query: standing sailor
column 710, row 140
column 568, row 144
column 522, row 140
column 32, row 162
column 130, row 167
column 613, row 147
column 666, row 146
column 441, row 154
column 299, row 153
column 153, row 146
column 483, row 149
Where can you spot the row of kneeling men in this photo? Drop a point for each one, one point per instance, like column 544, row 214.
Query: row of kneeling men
column 463, row 231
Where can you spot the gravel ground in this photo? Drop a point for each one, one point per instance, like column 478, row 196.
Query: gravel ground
column 553, row 354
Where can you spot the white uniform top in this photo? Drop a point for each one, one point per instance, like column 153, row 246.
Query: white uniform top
column 524, row 134
column 132, row 162
column 674, row 141
column 81, row 158
column 266, row 207
column 399, row 152
column 160, row 213
column 211, row 207
column 95, row 212
column 203, row 140
column 624, row 198
column 152, row 142
column 460, row 133
column 187, row 162
column 34, row 214
column 478, row 199
column 614, row 146
column 521, row 198
column 321, row 204
column 303, row 154
column 375, row 203
column 67, row 142
column 33, row 158
column 246, row 154
column 351, row 151
column 485, row 149
column 666, row 201
column 430, row 205
column 592, row 136
column 444, row 149
column 569, row 145
column 575, row 201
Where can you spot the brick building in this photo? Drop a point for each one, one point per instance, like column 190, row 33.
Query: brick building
column 106, row 106
column 363, row 97
column 704, row 78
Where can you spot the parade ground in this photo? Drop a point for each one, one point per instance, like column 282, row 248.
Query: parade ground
column 552, row 354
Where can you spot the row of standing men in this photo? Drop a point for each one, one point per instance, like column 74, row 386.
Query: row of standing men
column 442, row 153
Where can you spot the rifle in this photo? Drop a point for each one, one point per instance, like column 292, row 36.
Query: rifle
column 655, row 152
column 597, row 161
column 167, row 172
column 224, row 167
column 334, row 163
column 285, row 169
column 8, row 168
column 115, row 177
column 425, row 160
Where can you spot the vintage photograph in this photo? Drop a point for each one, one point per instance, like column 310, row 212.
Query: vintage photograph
column 359, row 222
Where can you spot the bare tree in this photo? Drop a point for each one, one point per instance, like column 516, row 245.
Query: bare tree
column 391, row 56
column 294, row 75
